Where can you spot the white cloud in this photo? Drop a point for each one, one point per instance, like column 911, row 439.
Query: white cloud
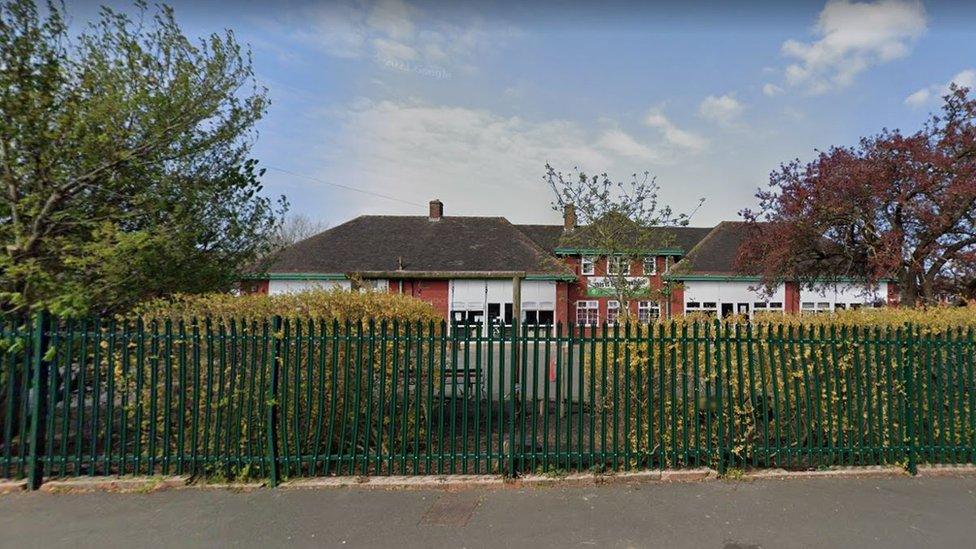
column 477, row 160
column 853, row 36
column 338, row 28
column 771, row 90
column 395, row 34
column 393, row 50
column 673, row 134
column 393, row 18
column 620, row 142
column 919, row 98
column 964, row 79
column 724, row 110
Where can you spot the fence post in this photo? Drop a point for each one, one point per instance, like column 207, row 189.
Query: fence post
column 514, row 368
column 910, row 396
column 719, row 383
column 38, row 396
column 273, row 412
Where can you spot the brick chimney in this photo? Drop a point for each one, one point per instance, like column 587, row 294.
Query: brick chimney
column 436, row 210
column 569, row 217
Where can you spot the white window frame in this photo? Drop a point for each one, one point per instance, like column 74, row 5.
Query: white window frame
column 702, row 307
column 648, row 311
column 587, row 265
column 613, row 305
column 653, row 262
column 767, row 307
column 614, row 261
column 816, row 307
column 588, row 306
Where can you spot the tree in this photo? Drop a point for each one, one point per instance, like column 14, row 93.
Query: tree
column 124, row 160
column 619, row 221
column 894, row 206
column 296, row 228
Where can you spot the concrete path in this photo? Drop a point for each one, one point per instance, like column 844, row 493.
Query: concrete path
column 900, row 512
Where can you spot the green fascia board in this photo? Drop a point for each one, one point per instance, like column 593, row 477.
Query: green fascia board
column 552, row 277
column 594, row 251
column 712, row 278
column 337, row 276
column 302, row 276
column 748, row 278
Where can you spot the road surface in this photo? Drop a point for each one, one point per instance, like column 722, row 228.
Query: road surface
column 898, row 512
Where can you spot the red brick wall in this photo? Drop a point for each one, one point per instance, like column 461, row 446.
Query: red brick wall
column 577, row 290
column 562, row 302
column 435, row 292
column 792, row 291
column 894, row 295
column 255, row 286
column 677, row 301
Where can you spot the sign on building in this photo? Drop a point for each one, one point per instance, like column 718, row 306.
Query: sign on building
column 602, row 286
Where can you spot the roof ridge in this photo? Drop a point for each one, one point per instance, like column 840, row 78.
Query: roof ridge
column 705, row 249
column 543, row 255
column 328, row 229
column 425, row 217
column 691, row 253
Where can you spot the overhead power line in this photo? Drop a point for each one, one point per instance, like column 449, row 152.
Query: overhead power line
column 341, row 186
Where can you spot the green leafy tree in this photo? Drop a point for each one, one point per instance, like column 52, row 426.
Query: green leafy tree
column 620, row 222
column 125, row 168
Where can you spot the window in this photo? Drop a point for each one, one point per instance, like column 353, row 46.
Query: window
column 708, row 307
column 587, row 265
column 767, row 306
column 543, row 318
column 540, row 313
column 494, row 311
column 812, row 307
column 467, row 318
column 650, row 265
column 648, row 311
column 587, row 312
column 618, row 265
column 613, row 311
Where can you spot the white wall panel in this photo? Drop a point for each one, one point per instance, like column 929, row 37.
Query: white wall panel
column 296, row 286
column 845, row 293
column 729, row 292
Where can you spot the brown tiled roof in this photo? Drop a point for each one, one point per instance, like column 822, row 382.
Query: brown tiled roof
column 687, row 238
column 415, row 243
column 715, row 254
column 550, row 237
column 545, row 236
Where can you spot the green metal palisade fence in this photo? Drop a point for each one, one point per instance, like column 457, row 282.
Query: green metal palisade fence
column 284, row 398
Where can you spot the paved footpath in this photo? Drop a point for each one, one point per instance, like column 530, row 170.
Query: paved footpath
column 900, row 512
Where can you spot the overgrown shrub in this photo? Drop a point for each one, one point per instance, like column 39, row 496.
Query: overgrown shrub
column 927, row 317
column 203, row 364
column 802, row 391
column 329, row 305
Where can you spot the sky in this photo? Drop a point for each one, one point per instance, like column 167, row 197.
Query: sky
column 378, row 107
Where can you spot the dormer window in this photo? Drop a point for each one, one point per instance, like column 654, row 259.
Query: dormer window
column 587, row 265
column 650, row 265
column 618, row 265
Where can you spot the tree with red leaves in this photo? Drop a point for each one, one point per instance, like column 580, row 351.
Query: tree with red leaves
column 899, row 207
